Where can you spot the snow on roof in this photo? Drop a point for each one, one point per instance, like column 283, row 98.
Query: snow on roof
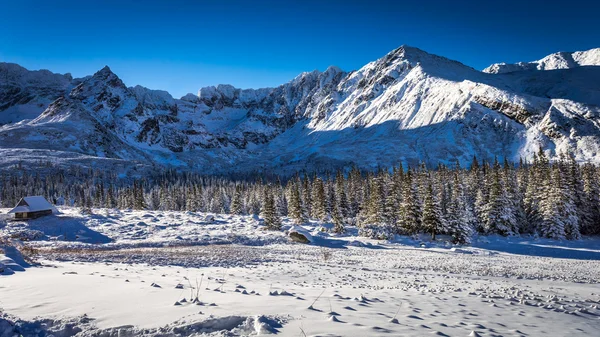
column 32, row 204
column 19, row 209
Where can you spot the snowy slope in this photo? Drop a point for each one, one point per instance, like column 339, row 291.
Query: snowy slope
column 409, row 106
column 25, row 94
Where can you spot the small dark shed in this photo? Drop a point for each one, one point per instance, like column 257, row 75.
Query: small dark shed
column 32, row 207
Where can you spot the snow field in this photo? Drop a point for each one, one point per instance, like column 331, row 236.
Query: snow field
column 319, row 298
column 167, row 277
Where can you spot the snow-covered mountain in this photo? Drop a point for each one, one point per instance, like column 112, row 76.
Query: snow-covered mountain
column 561, row 60
column 408, row 106
column 25, row 94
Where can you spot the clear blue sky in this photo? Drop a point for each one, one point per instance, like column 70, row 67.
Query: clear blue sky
column 180, row 46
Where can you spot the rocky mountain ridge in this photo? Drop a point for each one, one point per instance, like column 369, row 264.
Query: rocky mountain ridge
column 409, row 106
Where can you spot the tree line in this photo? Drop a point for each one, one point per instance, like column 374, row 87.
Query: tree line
column 558, row 199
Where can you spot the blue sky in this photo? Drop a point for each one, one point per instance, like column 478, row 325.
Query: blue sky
column 180, row 46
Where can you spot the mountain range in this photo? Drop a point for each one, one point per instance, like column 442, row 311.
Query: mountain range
column 407, row 107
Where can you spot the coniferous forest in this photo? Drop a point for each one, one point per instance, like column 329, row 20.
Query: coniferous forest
column 558, row 198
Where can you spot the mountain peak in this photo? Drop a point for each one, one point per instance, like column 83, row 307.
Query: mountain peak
column 415, row 56
column 559, row 60
column 410, row 57
column 407, row 51
column 333, row 69
column 102, row 81
column 106, row 75
column 105, row 72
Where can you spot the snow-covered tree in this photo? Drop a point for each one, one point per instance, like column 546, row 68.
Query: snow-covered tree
column 375, row 207
column 237, row 206
column 432, row 215
column 409, row 210
column 319, row 210
column 552, row 225
column 295, row 211
column 498, row 213
column 461, row 219
column 269, row 213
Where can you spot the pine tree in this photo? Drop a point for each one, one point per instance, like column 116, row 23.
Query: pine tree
column 198, row 204
column 331, row 198
column 99, row 196
column 154, row 203
column 318, row 200
column 269, row 212
column 515, row 196
column 137, row 195
column 432, row 215
column 236, row 201
column 375, row 206
column 392, row 192
column 531, row 185
column 342, row 199
column 338, row 219
column 591, row 201
column 296, row 213
column 167, row 201
column 306, row 196
column 499, row 215
column 109, row 201
column 356, row 192
column 552, row 225
column 570, row 200
column 254, row 202
column 409, row 210
column 461, row 218
column 281, row 201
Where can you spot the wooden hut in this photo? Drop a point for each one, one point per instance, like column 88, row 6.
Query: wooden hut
column 32, row 207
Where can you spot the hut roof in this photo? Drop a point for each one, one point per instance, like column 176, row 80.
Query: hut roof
column 32, row 204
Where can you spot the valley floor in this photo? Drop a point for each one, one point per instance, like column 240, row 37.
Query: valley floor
column 188, row 274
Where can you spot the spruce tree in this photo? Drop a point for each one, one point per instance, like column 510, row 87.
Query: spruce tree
column 109, row 201
column 570, row 198
column 296, row 213
column 499, row 214
column 392, row 194
column 318, row 208
column 338, row 219
column 375, row 206
column 461, row 218
column 552, row 225
column 409, row 210
column 236, row 201
column 342, row 198
column 356, row 192
column 269, row 212
column 432, row 215
column 591, row 201
column 306, row 196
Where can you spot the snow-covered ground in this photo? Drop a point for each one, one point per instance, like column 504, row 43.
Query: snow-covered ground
column 122, row 273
